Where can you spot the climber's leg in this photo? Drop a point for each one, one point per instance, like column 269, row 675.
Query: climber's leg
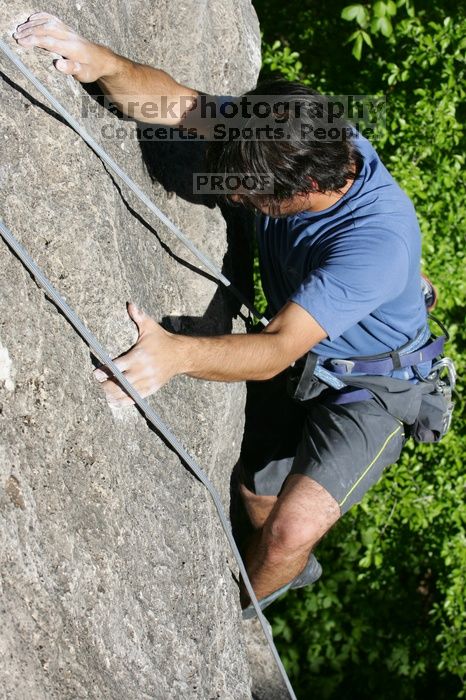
column 301, row 516
column 257, row 507
column 342, row 453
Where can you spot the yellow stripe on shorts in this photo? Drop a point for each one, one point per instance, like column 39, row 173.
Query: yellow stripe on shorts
column 397, row 430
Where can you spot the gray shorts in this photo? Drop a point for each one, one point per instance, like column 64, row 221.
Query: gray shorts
column 345, row 448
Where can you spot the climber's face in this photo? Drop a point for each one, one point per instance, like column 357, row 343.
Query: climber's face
column 314, row 200
column 278, row 208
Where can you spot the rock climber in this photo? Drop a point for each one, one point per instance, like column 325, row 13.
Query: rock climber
column 339, row 247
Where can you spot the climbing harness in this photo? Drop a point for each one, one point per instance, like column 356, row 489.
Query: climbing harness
column 152, row 417
column 436, row 385
column 100, row 353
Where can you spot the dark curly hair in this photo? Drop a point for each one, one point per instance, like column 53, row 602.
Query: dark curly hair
column 299, row 163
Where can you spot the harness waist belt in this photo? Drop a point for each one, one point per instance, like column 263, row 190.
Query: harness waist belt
column 393, row 361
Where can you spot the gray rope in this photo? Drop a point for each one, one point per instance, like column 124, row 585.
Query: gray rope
column 153, row 418
column 113, row 165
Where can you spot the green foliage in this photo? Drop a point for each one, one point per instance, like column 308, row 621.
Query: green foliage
column 388, row 618
column 281, row 59
column 260, row 301
column 376, row 17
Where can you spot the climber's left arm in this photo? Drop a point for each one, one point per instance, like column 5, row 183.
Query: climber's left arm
column 159, row 355
column 140, row 91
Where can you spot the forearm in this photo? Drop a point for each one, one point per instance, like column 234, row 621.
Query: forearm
column 230, row 358
column 158, row 355
column 142, row 92
column 240, row 357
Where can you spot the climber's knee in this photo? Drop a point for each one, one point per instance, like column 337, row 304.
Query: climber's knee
column 303, row 513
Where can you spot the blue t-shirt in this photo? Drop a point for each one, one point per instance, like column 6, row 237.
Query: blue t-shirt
column 355, row 267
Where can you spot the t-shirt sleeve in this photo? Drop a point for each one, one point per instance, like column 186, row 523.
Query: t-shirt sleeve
column 352, row 282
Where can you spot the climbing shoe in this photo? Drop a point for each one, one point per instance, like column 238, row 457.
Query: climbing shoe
column 250, row 611
column 311, row 572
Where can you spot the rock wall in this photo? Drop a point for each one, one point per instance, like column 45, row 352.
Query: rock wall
column 116, row 580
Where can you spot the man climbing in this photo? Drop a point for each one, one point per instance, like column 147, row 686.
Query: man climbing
column 340, row 252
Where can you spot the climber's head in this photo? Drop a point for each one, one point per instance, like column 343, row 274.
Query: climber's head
column 308, row 149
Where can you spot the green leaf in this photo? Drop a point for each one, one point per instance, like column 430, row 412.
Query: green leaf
column 367, row 39
column 379, row 9
column 385, row 26
column 357, row 48
column 410, row 9
column 391, row 8
column 351, row 12
column 375, row 25
column 353, row 36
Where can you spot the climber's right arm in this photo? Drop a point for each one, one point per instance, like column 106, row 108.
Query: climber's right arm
column 139, row 91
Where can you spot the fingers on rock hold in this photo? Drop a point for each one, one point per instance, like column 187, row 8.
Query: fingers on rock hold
column 100, row 375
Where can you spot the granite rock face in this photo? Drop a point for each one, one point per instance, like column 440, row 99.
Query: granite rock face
column 116, row 579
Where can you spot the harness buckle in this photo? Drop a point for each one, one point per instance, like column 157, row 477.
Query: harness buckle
column 437, row 368
column 342, row 366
